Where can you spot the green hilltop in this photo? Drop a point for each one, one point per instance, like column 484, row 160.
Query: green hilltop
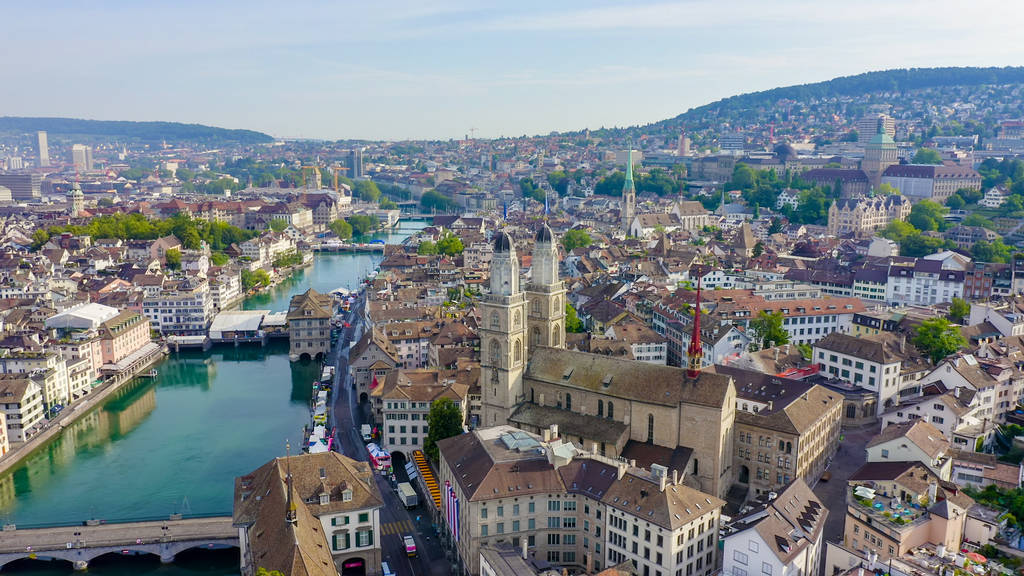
column 134, row 131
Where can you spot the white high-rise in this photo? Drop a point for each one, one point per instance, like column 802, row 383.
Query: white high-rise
column 81, row 156
column 44, row 149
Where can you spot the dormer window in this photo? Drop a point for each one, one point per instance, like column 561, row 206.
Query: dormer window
column 346, row 496
column 324, row 499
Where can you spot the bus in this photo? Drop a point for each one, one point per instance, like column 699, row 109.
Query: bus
column 379, row 458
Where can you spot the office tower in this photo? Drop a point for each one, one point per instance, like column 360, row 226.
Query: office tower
column 355, row 163
column 81, row 156
column 684, row 145
column 44, row 149
column 22, row 186
column 868, row 127
column 15, row 163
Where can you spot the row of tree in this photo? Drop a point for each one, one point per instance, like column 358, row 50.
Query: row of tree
column 191, row 233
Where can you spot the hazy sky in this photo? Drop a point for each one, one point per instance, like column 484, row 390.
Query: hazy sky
column 436, row 68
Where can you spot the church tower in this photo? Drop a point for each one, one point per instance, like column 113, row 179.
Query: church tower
column 627, row 208
column 502, row 336
column 546, row 294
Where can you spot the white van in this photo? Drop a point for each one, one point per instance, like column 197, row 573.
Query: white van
column 387, row 569
column 366, row 432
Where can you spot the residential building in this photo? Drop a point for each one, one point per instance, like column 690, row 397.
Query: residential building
column 865, row 215
column 870, row 124
column 994, row 197
column 405, row 399
column 577, row 511
column 781, row 536
column 50, row 368
column 923, row 283
column 371, row 359
column 894, row 507
column 313, row 514
column 965, row 236
column 978, row 470
column 873, row 362
column 122, row 336
column 956, row 414
column 181, row 307
column 22, row 400
column 913, row 441
column 309, row 325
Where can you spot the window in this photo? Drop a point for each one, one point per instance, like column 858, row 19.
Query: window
column 483, row 530
column 554, row 505
column 515, row 525
column 554, row 521
column 501, row 511
column 611, row 410
column 554, row 539
column 650, row 428
column 766, row 568
column 885, row 453
column 568, row 401
column 364, row 517
column 752, row 546
column 530, row 508
column 739, row 557
column 569, row 505
column 600, row 408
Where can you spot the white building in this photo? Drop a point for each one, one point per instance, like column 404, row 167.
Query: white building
column 994, row 197
column 405, row 400
column 913, row 441
column 184, row 307
column 50, row 369
column 788, row 197
column 782, row 537
column 870, row 362
column 22, row 402
column 925, row 283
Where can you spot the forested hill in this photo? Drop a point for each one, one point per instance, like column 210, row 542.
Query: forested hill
column 133, row 131
column 746, row 107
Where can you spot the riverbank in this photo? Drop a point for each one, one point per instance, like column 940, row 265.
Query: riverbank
column 76, row 410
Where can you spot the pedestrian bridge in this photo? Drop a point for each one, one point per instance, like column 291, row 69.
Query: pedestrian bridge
column 80, row 544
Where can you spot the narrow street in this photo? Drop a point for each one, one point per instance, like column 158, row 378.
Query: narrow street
column 395, row 521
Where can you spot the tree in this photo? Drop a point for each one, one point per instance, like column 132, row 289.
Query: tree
column 366, row 190
column 531, row 190
column 886, row 189
column 775, row 227
column 264, row 572
column 767, row 329
column 449, row 244
column 434, row 200
column 278, row 224
column 219, row 258
column 958, row 310
column 955, row 202
column 927, row 156
column 256, row 279
column 426, row 248
column 39, row 237
column 897, row 230
column 927, row 215
column 173, row 259
column 445, row 421
column 387, row 204
column 978, row 220
column 572, row 320
column 758, row 249
column 341, row 229
column 994, row 251
column 575, row 238
column 937, row 338
column 363, row 224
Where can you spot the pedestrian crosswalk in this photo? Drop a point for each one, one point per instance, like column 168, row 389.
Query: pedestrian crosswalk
column 401, row 527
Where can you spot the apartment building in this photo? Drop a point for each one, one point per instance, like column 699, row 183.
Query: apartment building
column 646, row 344
column 122, row 336
column 956, row 414
column 785, row 430
column 894, row 507
column 309, row 325
column 182, row 307
column 806, row 321
column 782, row 535
column 575, row 510
column 49, row 370
column 997, row 383
column 913, row 441
column 21, row 398
column 371, row 359
column 403, row 403
column 312, row 509
column 923, row 282
column 411, row 340
column 874, row 363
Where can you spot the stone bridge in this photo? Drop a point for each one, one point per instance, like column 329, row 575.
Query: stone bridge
column 80, row 544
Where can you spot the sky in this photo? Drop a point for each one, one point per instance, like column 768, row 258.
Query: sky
column 441, row 69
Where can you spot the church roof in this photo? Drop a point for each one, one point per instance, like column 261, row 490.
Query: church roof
column 570, row 424
column 626, row 379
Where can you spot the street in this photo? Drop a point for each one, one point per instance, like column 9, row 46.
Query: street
column 850, row 457
column 395, row 520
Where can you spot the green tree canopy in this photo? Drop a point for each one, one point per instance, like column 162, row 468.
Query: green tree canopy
column 927, row 156
column 994, row 251
column 258, row 279
column 278, row 224
column 426, row 248
column 341, row 229
column 937, row 338
column 434, row 200
column 576, row 238
column 572, row 319
column 363, row 224
column 927, row 215
column 366, row 190
column 173, row 259
column 531, row 190
column 445, row 421
column 767, row 329
column 955, row 202
column 959, row 309
column 449, row 244
column 219, row 258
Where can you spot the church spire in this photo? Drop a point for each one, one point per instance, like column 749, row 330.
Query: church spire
column 695, row 351
column 628, row 205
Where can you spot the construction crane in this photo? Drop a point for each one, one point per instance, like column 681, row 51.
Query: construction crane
column 472, row 133
column 335, row 170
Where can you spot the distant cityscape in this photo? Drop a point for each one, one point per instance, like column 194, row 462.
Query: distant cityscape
column 780, row 334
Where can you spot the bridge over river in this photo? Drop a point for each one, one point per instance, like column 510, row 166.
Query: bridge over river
column 80, row 544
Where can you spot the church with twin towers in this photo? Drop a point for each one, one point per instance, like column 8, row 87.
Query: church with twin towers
column 678, row 418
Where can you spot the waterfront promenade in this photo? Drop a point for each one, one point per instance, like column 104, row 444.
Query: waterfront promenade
column 77, row 410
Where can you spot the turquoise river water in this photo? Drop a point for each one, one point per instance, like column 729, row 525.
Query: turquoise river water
column 175, row 443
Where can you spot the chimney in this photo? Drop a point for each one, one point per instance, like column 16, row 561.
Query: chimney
column 872, row 559
column 546, row 435
column 554, row 431
column 675, row 477
column 662, row 481
column 620, row 470
column 787, row 349
column 776, row 354
column 933, row 492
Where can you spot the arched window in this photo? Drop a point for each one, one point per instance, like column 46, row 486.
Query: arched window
column 650, row 428
column 495, row 321
column 531, row 396
column 518, row 351
column 535, row 336
column 495, row 352
column 555, row 336
column 789, row 447
column 568, row 401
column 611, row 410
column 554, row 305
column 517, row 320
column 600, row 408
column 536, row 306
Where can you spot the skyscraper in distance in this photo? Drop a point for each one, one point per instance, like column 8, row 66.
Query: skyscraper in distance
column 44, row 149
column 355, row 163
column 81, row 156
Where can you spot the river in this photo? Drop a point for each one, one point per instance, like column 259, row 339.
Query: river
column 174, row 443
